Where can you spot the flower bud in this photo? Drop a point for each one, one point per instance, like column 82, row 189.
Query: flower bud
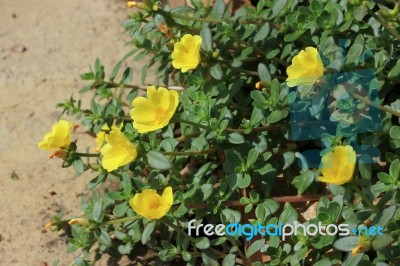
column 262, row 84
column 131, row 4
column 60, row 154
column 80, row 221
column 215, row 54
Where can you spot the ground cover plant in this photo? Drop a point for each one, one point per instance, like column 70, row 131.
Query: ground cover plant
column 282, row 113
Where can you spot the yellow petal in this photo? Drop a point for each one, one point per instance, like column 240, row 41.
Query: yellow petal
column 167, row 197
column 186, row 54
column 156, row 111
column 58, row 138
column 337, row 166
column 306, row 68
column 151, row 205
column 118, row 151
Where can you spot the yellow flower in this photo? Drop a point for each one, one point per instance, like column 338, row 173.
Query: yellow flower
column 58, row 138
column 118, row 151
column 306, row 68
column 338, row 165
column 154, row 112
column 186, row 54
column 151, row 205
column 100, row 136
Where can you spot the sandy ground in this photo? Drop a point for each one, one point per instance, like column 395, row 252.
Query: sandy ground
column 61, row 39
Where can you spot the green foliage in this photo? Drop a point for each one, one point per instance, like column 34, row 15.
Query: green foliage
column 228, row 152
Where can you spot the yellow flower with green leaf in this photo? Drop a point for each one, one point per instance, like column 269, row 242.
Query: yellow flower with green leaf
column 337, row 166
column 59, row 138
column 186, row 54
column 151, row 205
column 118, row 150
column 155, row 111
column 306, row 68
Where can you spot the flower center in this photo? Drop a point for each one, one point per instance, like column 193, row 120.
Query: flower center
column 160, row 115
column 154, row 205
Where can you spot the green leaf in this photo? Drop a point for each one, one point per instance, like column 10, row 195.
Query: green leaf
column 288, row 158
column 323, row 262
column 168, row 254
column 262, row 33
column 365, row 166
column 346, row 244
column 80, row 262
column 115, row 70
column 209, row 258
column 385, row 178
column 383, row 216
column 88, row 76
column 229, row 260
column 95, row 181
column 120, row 209
column 395, row 71
column 206, row 37
column 236, row 138
column 360, row 13
column 263, row 72
column 78, row 166
column 303, row 181
column 158, row 161
column 252, row 157
column 353, row 260
column 254, row 247
column 244, row 180
column 380, row 242
column 278, row 7
column 186, row 256
column 97, row 210
column 116, row 195
column 126, row 183
column 395, row 169
column 148, row 230
column 126, row 76
column 218, row 9
column 216, row 71
column 274, row 116
column 103, row 237
column 207, row 190
column 356, row 50
column 202, row 243
column 394, row 132
column 291, row 37
column 288, row 215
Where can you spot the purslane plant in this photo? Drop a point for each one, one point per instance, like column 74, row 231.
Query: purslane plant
column 257, row 115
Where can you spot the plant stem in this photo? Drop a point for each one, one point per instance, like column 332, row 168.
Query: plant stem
column 384, row 24
column 365, row 198
column 179, row 120
column 211, row 20
column 186, row 137
column 257, row 129
column 233, row 242
column 123, row 220
column 371, row 103
column 185, row 153
column 87, row 154
column 116, row 85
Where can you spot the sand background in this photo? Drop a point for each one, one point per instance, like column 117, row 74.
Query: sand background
column 44, row 46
